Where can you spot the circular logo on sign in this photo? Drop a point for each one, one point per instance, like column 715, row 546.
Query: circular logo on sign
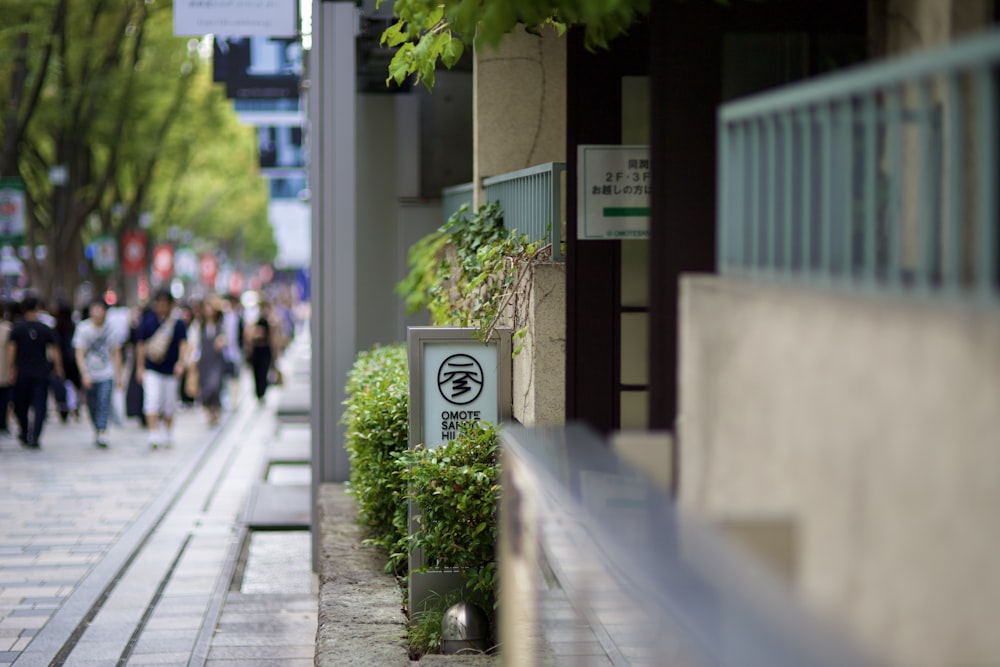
column 460, row 379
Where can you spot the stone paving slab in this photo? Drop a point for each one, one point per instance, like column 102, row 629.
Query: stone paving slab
column 293, row 444
column 70, row 510
column 280, row 507
column 127, row 555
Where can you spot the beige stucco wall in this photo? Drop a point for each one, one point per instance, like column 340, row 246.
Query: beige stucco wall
column 519, row 121
column 867, row 428
column 539, row 376
column 519, row 104
column 901, row 26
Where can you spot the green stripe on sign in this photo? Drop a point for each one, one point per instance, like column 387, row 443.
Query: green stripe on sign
column 626, row 212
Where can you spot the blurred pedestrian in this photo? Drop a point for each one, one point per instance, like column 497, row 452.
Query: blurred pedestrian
column 232, row 324
column 32, row 343
column 133, row 390
column 98, row 355
column 5, row 388
column 210, row 358
column 262, row 337
column 187, row 388
column 66, row 390
column 161, row 354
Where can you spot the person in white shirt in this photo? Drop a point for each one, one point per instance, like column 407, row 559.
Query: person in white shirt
column 98, row 354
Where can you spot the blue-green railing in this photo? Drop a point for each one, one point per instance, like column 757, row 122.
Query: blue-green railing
column 531, row 200
column 881, row 176
column 455, row 197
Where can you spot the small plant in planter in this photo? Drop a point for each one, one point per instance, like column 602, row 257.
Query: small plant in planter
column 457, row 487
column 377, row 420
column 423, row 632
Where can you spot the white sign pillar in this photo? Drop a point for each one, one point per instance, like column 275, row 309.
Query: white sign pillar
column 454, row 379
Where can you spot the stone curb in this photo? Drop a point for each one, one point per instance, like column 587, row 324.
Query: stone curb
column 361, row 620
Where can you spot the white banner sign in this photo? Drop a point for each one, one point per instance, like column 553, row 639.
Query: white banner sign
column 245, row 18
column 11, row 211
column 613, row 192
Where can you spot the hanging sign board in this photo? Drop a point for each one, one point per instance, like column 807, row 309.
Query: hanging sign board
column 163, row 261
column 614, row 184
column 454, row 378
column 11, row 211
column 105, row 258
column 272, row 18
column 186, row 263
column 134, row 252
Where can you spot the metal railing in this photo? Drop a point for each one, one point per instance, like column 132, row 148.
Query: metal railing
column 599, row 565
column 531, row 200
column 454, row 198
column 882, row 176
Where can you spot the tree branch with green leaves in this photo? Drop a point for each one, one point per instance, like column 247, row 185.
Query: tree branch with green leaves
column 430, row 31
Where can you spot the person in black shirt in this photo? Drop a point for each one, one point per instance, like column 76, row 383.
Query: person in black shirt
column 64, row 329
column 261, row 339
column 32, row 344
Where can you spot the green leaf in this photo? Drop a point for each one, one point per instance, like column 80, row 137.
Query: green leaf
column 393, row 35
column 452, row 52
column 400, row 65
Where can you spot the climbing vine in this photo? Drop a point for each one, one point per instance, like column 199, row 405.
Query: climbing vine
column 469, row 270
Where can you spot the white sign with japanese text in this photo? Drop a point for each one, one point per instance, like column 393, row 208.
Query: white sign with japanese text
column 456, row 379
column 613, row 192
column 460, row 385
column 244, row 18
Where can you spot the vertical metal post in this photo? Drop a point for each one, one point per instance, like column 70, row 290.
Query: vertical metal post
column 772, row 193
column 951, row 264
column 826, row 191
column 986, row 179
column 806, row 216
column 788, row 123
column 755, row 244
column 723, row 195
column 871, row 184
column 925, row 237
column 848, row 221
column 737, row 204
column 895, row 111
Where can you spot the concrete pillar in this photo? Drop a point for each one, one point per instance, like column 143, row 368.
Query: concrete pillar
column 332, row 173
column 901, row 26
column 519, row 104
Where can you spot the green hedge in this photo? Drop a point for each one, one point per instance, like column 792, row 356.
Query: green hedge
column 377, row 420
column 457, row 488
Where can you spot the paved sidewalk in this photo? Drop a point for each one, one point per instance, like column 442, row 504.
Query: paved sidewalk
column 132, row 556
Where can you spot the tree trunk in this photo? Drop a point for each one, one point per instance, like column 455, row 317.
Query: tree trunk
column 63, row 276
